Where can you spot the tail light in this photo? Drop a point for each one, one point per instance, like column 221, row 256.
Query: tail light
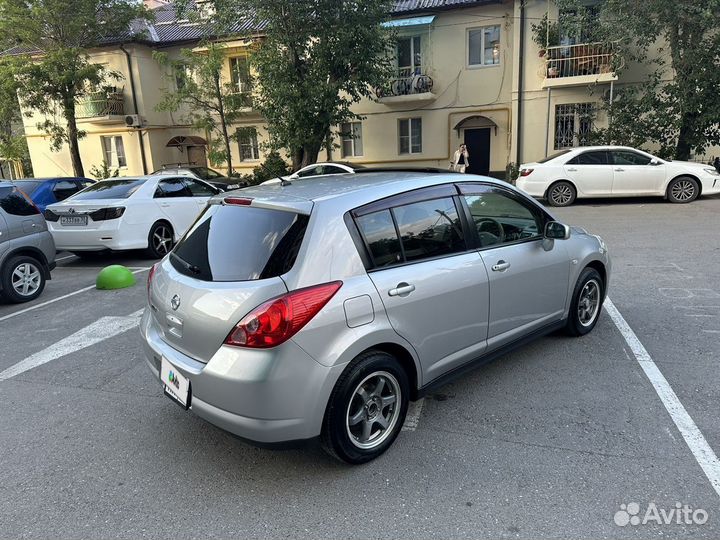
column 50, row 215
column 280, row 318
column 526, row 172
column 238, row 201
column 107, row 213
column 151, row 275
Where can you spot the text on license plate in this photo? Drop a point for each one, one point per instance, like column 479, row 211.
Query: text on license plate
column 73, row 220
column 176, row 385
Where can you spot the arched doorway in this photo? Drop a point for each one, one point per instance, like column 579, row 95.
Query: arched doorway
column 476, row 134
column 193, row 146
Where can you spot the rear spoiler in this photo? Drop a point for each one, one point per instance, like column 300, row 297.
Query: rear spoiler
column 285, row 204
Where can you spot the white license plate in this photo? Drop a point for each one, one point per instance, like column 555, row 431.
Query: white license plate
column 176, row 385
column 76, row 221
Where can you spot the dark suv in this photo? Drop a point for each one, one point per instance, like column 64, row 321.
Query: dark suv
column 27, row 250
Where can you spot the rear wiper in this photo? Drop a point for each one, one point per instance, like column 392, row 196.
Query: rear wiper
column 195, row 269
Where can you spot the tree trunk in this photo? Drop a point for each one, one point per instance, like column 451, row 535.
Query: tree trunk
column 297, row 158
column 310, row 153
column 223, row 124
column 72, row 134
column 685, row 137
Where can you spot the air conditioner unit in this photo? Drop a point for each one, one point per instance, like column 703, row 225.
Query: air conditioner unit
column 133, row 120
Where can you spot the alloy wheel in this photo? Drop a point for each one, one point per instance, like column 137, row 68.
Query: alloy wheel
column 162, row 240
column 683, row 190
column 589, row 303
column 561, row 195
column 373, row 410
column 26, row 279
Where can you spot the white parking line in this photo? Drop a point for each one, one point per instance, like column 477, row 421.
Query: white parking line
column 100, row 330
column 43, row 304
column 694, row 438
column 66, row 258
column 412, row 419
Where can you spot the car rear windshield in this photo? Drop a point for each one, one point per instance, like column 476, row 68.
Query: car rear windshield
column 240, row 243
column 28, row 187
column 110, row 189
column 555, row 155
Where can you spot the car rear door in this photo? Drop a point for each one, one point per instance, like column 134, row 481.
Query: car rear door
column 4, row 236
column 176, row 202
column 528, row 284
column 22, row 217
column 434, row 288
column 201, row 191
column 634, row 175
column 591, row 172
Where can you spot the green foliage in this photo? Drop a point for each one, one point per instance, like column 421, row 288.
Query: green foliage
column 318, row 58
column 512, row 171
column 104, row 171
column 51, row 80
column 273, row 167
column 545, row 33
column 206, row 101
column 13, row 145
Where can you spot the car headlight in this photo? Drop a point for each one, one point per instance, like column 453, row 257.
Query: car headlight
column 712, row 172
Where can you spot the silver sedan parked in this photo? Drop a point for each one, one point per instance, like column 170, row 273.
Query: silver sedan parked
column 320, row 308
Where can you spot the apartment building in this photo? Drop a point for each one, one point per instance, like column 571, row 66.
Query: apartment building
column 467, row 71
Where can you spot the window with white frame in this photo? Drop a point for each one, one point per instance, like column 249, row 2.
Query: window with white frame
column 248, row 141
column 114, row 151
column 573, row 124
column 410, row 135
column 240, row 75
column 352, row 142
column 484, row 46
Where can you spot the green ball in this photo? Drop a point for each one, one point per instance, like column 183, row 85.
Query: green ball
column 114, row 276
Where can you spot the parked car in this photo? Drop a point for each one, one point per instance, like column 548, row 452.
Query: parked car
column 145, row 212
column 27, row 250
column 320, row 308
column 615, row 171
column 319, row 169
column 224, row 183
column 44, row 191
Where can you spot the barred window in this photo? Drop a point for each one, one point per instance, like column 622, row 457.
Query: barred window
column 573, row 124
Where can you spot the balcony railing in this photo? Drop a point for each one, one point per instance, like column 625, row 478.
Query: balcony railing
column 410, row 81
column 100, row 104
column 583, row 60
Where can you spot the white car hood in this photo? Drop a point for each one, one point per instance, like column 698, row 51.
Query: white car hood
column 689, row 165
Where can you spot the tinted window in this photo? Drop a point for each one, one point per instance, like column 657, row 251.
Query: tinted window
column 205, row 173
column 64, row 188
column 590, row 158
column 110, row 189
column 429, row 229
column 330, row 169
column 625, row 157
column 553, row 156
column 172, row 187
column 500, row 219
column 14, row 203
column 379, row 232
column 28, row 187
column 240, row 243
column 312, row 171
column 198, row 189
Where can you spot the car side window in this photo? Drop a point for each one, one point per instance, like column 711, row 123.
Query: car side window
column 330, row 169
column 198, row 189
column 626, row 157
column 381, row 237
column 501, row 219
column 313, row 171
column 597, row 157
column 64, row 188
column 429, row 229
column 15, row 204
column 172, row 187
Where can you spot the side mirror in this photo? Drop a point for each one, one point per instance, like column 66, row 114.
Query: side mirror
column 555, row 230
column 654, row 161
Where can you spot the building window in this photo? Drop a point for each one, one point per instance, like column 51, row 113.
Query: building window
column 114, row 151
column 409, row 56
column 410, row 135
column 573, row 124
column 352, row 143
column 248, row 141
column 183, row 73
column 240, row 75
column 484, row 46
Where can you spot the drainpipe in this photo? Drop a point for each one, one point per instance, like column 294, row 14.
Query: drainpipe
column 521, row 67
column 135, row 107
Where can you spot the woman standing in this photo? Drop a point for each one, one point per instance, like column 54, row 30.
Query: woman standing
column 461, row 159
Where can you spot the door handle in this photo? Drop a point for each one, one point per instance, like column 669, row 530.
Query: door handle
column 165, row 205
column 402, row 289
column 572, row 169
column 501, row 266
column 619, row 169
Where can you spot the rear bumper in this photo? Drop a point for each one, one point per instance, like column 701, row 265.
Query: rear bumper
column 534, row 189
column 113, row 234
column 267, row 397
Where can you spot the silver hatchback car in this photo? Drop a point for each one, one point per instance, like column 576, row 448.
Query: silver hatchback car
column 321, row 308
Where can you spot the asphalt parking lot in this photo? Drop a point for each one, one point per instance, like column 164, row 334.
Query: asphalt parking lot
column 547, row 442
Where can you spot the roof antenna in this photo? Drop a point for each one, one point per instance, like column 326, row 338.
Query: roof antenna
column 283, row 181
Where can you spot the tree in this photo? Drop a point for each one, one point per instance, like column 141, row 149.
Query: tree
column 316, row 59
column 57, row 69
column 677, row 105
column 13, row 146
column 211, row 104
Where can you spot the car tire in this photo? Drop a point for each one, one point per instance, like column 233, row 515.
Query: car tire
column 682, row 190
column 561, row 193
column 586, row 304
column 373, row 392
column 22, row 278
column 160, row 240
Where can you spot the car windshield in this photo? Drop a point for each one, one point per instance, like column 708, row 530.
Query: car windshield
column 206, row 174
column 110, row 189
column 28, row 187
column 553, row 156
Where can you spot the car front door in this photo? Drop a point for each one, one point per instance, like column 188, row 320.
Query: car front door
column 201, row 191
column 634, row 175
column 528, row 283
column 435, row 290
column 591, row 172
column 176, row 202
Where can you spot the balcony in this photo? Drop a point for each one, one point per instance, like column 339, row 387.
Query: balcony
column 412, row 85
column 580, row 65
column 101, row 107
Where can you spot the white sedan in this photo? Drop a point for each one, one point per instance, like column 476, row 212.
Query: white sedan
column 615, row 171
column 319, row 169
column 146, row 212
